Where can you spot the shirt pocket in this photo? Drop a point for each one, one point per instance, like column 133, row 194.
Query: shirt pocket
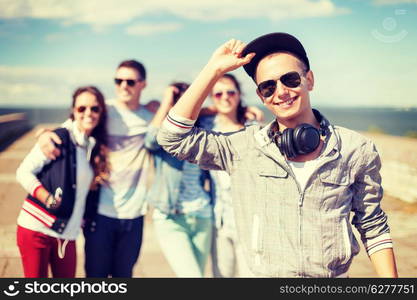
column 335, row 190
column 335, row 175
column 271, row 170
column 271, row 177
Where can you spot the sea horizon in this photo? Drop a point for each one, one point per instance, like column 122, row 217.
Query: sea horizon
column 398, row 121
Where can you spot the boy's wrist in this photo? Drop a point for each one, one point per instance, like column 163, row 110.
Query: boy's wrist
column 213, row 71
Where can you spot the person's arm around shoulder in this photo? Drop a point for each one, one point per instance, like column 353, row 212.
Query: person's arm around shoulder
column 48, row 141
column 369, row 218
column 160, row 115
column 254, row 114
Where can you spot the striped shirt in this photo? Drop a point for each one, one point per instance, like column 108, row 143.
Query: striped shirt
column 193, row 199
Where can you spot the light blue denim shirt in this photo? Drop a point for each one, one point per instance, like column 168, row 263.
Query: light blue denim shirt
column 170, row 192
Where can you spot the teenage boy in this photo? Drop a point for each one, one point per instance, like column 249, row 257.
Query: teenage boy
column 295, row 181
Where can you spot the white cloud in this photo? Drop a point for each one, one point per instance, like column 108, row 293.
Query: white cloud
column 56, row 37
column 98, row 13
column 394, row 2
column 43, row 86
column 21, row 90
column 43, row 9
column 47, row 86
column 144, row 29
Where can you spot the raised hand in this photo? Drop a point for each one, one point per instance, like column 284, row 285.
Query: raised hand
column 253, row 113
column 169, row 93
column 228, row 57
column 166, row 104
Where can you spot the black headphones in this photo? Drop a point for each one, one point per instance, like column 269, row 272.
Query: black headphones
column 302, row 139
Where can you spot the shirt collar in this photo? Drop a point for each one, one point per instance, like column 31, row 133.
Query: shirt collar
column 262, row 136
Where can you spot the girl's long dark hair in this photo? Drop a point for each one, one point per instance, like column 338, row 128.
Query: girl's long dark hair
column 241, row 110
column 99, row 156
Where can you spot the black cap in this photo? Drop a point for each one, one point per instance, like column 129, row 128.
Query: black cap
column 271, row 43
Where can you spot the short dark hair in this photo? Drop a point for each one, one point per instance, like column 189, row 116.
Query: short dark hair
column 133, row 64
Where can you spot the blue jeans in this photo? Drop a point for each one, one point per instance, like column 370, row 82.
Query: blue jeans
column 112, row 246
column 185, row 242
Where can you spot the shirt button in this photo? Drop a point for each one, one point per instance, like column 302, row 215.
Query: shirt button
column 74, row 186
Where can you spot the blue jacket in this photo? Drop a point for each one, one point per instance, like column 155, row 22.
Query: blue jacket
column 165, row 190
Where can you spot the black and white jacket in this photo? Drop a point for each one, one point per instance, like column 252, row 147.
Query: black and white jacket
column 60, row 178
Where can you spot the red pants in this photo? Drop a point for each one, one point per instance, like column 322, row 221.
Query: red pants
column 38, row 251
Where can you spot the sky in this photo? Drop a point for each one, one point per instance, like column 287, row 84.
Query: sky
column 362, row 53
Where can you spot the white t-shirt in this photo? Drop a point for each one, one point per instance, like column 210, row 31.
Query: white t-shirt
column 303, row 170
column 124, row 197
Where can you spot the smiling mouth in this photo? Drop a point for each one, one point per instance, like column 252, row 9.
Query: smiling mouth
column 226, row 104
column 288, row 102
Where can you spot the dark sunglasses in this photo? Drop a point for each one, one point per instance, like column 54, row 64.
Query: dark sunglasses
column 230, row 93
column 268, row 87
column 130, row 82
column 96, row 109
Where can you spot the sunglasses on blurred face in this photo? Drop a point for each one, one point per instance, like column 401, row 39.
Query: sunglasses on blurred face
column 219, row 94
column 291, row 80
column 130, row 82
column 95, row 109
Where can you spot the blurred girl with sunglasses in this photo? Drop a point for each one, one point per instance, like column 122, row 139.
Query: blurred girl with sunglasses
column 227, row 256
column 183, row 211
column 63, row 193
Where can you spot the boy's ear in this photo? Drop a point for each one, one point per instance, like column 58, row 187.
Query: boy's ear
column 310, row 80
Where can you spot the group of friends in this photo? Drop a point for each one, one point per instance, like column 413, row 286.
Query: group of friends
column 262, row 201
